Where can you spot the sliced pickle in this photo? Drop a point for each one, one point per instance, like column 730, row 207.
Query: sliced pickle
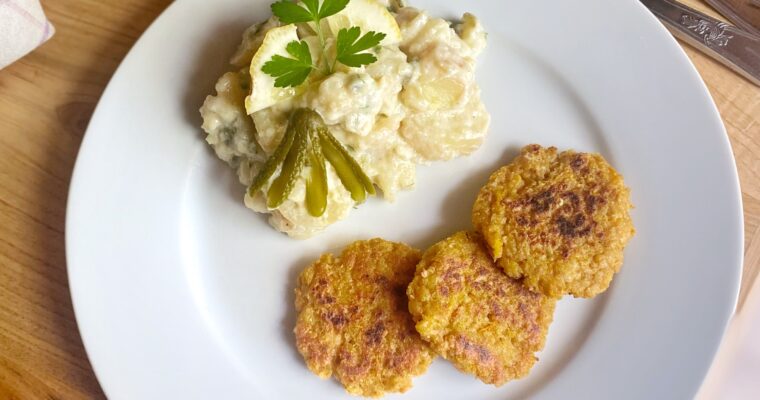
column 307, row 139
column 316, row 183
column 344, row 170
column 289, row 173
column 355, row 167
column 274, row 161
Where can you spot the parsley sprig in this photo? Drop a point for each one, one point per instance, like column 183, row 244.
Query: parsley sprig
column 290, row 71
column 350, row 45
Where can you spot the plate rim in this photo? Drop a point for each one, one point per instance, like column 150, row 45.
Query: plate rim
column 76, row 186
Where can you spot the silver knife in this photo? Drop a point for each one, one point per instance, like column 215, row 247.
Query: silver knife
column 735, row 48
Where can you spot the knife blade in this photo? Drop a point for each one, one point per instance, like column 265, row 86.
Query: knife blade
column 733, row 47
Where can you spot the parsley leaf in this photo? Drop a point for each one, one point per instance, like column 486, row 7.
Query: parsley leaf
column 290, row 71
column 312, row 6
column 289, row 12
column 349, row 46
column 331, row 7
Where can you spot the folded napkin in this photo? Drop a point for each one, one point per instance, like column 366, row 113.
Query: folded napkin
column 23, row 27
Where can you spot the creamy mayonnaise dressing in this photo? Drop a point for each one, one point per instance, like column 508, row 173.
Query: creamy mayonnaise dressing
column 418, row 103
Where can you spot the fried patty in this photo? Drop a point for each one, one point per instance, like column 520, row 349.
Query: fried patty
column 353, row 319
column 560, row 221
column 473, row 314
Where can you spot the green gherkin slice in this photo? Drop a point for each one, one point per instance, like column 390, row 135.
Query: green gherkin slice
column 343, row 168
column 290, row 171
column 356, row 169
column 307, row 138
column 274, row 161
column 316, row 183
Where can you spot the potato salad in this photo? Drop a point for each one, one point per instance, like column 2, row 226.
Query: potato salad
column 331, row 102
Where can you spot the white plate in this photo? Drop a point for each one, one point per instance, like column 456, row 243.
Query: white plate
column 181, row 292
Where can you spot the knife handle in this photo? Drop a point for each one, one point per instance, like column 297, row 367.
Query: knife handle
column 735, row 48
column 745, row 14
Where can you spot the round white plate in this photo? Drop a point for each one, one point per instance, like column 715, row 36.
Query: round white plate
column 182, row 293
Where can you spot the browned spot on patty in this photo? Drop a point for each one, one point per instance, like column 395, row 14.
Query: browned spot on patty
column 451, row 281
column 574, row 226
column 336, row 319
column 325, row 299
column 470, row 349
column 591, row 202
column 543, row 201
column 374, row 335
column 572, row 199
column 578, row 161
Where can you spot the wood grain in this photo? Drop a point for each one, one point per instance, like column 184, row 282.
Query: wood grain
column 46, row 100
column 739, row 104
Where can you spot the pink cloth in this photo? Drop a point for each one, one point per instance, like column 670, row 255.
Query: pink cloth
column 735, row 374
column 23, row 27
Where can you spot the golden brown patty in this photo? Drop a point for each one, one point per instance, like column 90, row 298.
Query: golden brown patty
column 560, row 221
column 353, row 318
column 474, row 315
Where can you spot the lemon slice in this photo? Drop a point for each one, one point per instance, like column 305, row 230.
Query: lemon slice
column 263, row 93
column 368, row 15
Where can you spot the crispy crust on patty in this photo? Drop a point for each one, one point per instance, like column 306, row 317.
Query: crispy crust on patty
column 353, row 320
column 474, row 315
column 559, row 220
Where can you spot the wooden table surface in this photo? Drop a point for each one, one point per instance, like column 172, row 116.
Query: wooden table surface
column 46, row 100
